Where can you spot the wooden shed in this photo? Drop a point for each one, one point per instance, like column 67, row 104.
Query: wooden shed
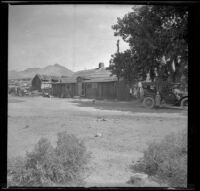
column 41, row 82
column 95, row 83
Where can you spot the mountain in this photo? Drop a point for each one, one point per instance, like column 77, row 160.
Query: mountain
column 54, row 70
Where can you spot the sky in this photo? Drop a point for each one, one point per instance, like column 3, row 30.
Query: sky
column 75, row 36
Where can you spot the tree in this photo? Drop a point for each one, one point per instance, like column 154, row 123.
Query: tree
column 157, row 36
column 124, row 65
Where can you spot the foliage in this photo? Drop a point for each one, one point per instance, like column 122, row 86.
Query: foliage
column 49, row 166
column 158, row 37
column 166, row 160
column 124, row 65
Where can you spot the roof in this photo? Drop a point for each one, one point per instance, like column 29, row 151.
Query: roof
column 102, row 79
column 47, row 77
column 92, row 75
column 84, row 73
column 68, row 80
column 96, row 75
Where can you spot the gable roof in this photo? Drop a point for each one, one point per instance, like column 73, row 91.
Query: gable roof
column 47, row 77
column 102, row 79
column 68, row 80
column 92, row 75
column 97, row 73
column 84, row 73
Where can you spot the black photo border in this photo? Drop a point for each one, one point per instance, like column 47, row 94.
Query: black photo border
column 194, row 84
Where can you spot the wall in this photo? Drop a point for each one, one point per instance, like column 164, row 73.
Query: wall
column 46, row 85
column 108, row 90
column 97, row 90
column 91, row 90
column 63, row 90
column 101, row 90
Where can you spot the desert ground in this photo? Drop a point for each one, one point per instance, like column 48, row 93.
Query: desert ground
column 125, row 130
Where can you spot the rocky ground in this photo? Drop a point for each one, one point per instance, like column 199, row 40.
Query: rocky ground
column 116, row 133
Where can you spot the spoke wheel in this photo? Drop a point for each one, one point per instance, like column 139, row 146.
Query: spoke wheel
column 148, row 102
column 184, row 103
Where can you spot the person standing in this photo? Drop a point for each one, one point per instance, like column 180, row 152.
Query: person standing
column 141, row 91
column 158, row 89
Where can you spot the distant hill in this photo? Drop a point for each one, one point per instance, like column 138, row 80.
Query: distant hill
column 54, row 70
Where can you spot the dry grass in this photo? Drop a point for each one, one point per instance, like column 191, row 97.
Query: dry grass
column 48, row 166
column 125, row 134
column 166, row 160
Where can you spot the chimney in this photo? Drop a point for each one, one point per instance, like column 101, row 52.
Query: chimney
column 101, row 65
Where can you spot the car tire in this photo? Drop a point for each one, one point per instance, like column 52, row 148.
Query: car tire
column 184, row 103
column 148, row 102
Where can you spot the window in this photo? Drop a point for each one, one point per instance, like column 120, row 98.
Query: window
column 89, row 85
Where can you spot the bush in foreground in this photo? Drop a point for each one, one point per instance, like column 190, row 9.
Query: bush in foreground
column 166, row 160
column 63, row 165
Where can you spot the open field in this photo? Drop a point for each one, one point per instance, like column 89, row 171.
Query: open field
column 126, row 129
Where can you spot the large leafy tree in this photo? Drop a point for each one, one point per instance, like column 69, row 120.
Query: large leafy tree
column 124, row 65
column 157, row 36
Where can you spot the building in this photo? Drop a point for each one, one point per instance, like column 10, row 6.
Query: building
column 65, row 88
column 42, row 82
column 95, row 83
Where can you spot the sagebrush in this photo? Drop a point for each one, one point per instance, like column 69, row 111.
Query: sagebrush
column 65, row 164
column 166, row 160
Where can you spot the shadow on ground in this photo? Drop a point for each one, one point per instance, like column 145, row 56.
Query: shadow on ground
column 131, row 106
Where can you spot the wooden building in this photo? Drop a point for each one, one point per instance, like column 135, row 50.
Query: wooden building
column 95, row 83
column 42, row 82
column 65, row 88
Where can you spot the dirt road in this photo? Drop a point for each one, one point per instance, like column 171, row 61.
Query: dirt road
column 125, row 128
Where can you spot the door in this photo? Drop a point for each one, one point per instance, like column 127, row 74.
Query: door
column 83, row 90
column 79, row 88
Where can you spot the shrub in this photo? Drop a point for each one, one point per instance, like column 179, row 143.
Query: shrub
column 48, row 166
column 166, row 160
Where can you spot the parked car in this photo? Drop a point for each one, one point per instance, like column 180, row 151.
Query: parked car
column 170, row 93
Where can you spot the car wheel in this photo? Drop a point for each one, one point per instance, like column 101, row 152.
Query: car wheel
column 184, row 103
column 149, row 102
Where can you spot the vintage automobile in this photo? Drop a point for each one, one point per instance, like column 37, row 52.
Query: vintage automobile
column 170, row 93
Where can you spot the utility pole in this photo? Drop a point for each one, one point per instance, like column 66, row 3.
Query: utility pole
column 118, row 79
